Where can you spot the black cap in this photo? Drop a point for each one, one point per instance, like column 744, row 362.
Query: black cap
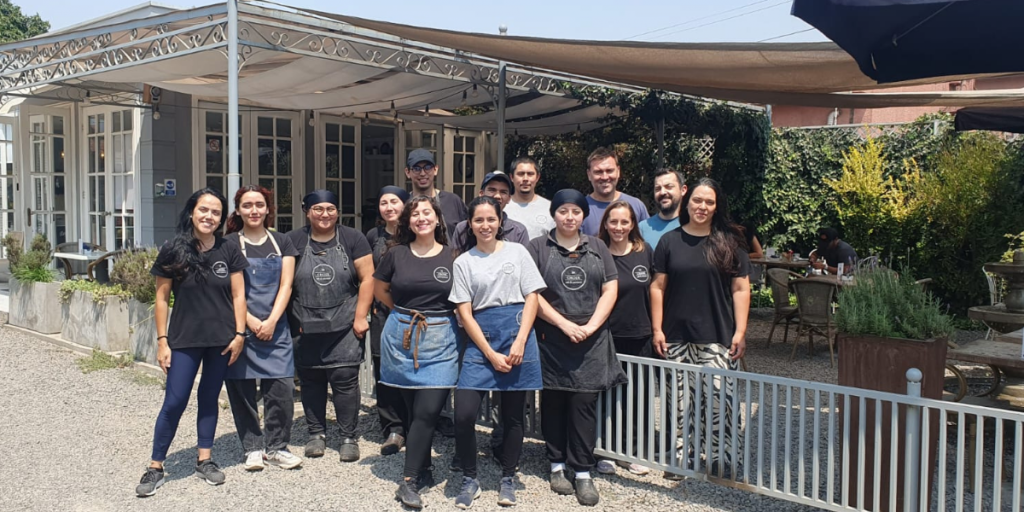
column 497, row 175
column 419, row 155
column 317, row 197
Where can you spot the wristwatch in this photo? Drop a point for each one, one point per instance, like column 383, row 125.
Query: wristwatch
column 242, row 334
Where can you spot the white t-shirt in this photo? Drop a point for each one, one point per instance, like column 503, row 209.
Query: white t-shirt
column 503, row 277
column 535, row 215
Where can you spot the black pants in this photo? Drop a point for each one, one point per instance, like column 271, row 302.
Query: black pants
column 424, row 408
column 344, row 384
column 390, row 405
column 640, row 347
column 278, row 412
column 569, row 426
column 513, row 416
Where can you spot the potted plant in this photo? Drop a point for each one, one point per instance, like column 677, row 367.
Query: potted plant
column 888, row 324
column 131, row 272
column 34, row 302
column 95, row 314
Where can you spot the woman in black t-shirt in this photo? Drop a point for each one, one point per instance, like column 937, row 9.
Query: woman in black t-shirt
column 207, row 327
column 390, row 406
column 630, row 321
column 419, row 352
column 700, row 299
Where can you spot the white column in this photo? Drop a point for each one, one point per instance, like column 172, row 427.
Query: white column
column 234, row 177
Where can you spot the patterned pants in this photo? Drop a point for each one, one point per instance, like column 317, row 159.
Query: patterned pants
column 714, row 356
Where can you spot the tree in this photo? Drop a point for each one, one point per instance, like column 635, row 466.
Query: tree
column 15, row 26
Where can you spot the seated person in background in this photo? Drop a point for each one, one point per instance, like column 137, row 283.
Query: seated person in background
column 833, row 251
column 750, row 238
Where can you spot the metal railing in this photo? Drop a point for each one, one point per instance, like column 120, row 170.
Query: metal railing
column 822, row 445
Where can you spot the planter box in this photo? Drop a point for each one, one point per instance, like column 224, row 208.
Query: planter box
column 881, row 364
column 100, row 326
column 36, row 306
column 142, row 331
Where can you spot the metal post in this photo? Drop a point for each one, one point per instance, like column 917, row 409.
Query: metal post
column 501, row 106
column 661, row 141
column 912, row 452
column 234, row 177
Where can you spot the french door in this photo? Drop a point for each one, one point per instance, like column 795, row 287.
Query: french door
column 8, row 177
column 338, row 155
column 48, row 188
column 111, row 174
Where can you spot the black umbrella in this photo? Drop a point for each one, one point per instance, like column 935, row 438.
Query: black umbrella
column 896, row 40
column 999, row 119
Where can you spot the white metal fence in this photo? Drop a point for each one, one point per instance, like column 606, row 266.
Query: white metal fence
column 822, row 445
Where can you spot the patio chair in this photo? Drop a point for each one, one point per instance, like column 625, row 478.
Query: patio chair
column 924, row 283
column 814, row 306
column 74, row 268
column 867, row 263
column 779, row 279
column 99, row 270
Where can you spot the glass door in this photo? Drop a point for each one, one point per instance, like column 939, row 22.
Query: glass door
column 337, row 156
column 48, row 193
column 122, row 179
column 275, row 166
column 7, row 177
column 96, row 179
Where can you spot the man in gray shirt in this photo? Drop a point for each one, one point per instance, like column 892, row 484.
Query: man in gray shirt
column 526, row 207
column 497, row 185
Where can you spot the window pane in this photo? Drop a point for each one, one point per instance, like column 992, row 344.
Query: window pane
column 38, row 154
column 214, row 122
column 265, row 126
column 284, row 127
column 283, row 195
column 334, row 186
column 101, row 165
column 92, row 125
column 333, row 132
column 458, row 143
column 215, row 182
column 348, row 197
column 92, row 193
column 333, row 161
column 267, row 183
column 58, row 154
column 101, row 189
column 118, row 154
column 102, row 123
column 470, row 144
column 457, row 161
column 348, row 133
column 266, row 156
column 92, row 155
column 129, row 154
column 284, row 224
column 284, row 158
column 127, row 114
column 214, row 158
column 39, row 196
column 61, row 236
column 115, row 119
column 348, row 162
column 458, row 190
column 58, row 125
column 59, row 193
column 348, row 221
column 118, row 194
column 470, row 168
column 129, row 194
column 426, row 139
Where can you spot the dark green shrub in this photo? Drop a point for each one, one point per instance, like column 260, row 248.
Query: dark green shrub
column 34, row 265
column 890, row 305
column 131, row 272
column 13, row 248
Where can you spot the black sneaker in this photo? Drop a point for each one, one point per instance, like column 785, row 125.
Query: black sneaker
column 507, row 492
column 560, row 484
column 425, row 479
column 409, row 495
column 586, row 492
column 455, row 464
column 470, row 491
column 349, row 450
column 209, row 471
column 152, row 479
column 316, row 446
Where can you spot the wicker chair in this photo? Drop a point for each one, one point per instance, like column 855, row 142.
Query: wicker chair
column 779, row 279
column 99, row 270
column 814, row 306
column 74, row 268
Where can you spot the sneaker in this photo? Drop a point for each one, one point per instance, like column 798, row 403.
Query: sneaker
column 393, row 444
column 316, row 446
column 507, row 492
column 560, row 484
column 425, row 480
column 605, row 467
column 152, row 479
column 409, row 494
column 470, row 491
column 672, row 477
column 586, row 492
column 455, row 464
column 284, row 459
column 254, row 461
column 638, row 469
column 209, row 471
column 349, row 450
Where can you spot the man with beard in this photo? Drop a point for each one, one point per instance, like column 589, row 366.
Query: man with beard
column 603, row 173
column 421, row 171
column 526, row 207
column 669, row 190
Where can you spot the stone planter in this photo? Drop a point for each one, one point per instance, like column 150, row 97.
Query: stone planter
column 142, row 331
column 102, row 326
column 36, row 306
column 881, row 364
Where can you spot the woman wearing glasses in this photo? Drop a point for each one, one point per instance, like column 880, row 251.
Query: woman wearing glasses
column 330, row 302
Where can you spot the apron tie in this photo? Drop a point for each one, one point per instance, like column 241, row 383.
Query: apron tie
column 418, row 320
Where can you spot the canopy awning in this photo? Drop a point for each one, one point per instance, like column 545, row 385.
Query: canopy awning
column 993, row 119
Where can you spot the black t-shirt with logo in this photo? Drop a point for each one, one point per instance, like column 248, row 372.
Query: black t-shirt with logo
column 698, row 299
column 204, row 311
column 631, row 317
column 423, row 284
column 266, row 249
column 352, row 241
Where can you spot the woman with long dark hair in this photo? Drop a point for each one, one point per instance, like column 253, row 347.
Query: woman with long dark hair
column 419, row 345
column 577, row 355
column 390, row 407
column 701, row 276
column 495, row 293
column 205, row 275
column 630, row 321
column 268, row 356
column 331, row 298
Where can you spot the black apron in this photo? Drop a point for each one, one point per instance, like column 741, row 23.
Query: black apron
column 590, row 365
column 324, row 298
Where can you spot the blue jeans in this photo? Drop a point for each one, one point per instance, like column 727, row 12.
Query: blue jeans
column 180, row 377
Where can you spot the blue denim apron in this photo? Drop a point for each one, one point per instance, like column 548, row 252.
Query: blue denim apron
column 260, row 359
column 500, row 326
column 419, row 349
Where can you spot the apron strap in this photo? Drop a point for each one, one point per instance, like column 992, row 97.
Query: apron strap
column 241, row 241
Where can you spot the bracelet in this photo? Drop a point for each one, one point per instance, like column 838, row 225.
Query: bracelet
column 242, row 334
column 161, row 337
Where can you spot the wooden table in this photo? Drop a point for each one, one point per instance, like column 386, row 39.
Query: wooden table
column 781, row 263
column 997, row 352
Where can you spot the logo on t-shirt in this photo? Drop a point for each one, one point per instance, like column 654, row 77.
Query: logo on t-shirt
column 541, row 219
column 574, row 278
column 323, row 274
column 641, row 274
column 220, row 269
column 508, row 267
column 442, row 275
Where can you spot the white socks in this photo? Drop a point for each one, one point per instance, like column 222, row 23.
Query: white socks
column 557, row 466
column 582, row 475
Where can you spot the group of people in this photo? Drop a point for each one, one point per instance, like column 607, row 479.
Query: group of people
column 508, row 295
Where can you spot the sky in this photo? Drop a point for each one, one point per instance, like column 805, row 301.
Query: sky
column 638, row 20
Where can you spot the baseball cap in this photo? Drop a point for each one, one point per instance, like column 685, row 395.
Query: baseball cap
column 419, row 155
column 497, row 175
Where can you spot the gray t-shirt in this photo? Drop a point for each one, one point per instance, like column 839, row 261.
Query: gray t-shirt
column 504, row 277
column 536, row 215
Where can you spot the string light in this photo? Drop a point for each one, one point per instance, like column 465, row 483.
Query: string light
column 393, row 111
column 312, row 122
column 463, row 98
column 427, row 111
column 366, row 118
column 475, row 94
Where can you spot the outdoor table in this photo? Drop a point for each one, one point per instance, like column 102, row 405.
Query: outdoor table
column 87, row 256
column 781, row 263
column 829, row 279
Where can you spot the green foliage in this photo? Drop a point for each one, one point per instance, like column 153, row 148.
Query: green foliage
column 100, row 360
column 890, row 305
column 15, row 26
column 100, row 292
column 33, row 266
column 131, row 272
column 13, row 249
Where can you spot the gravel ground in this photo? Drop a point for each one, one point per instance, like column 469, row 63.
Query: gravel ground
column 80, row 442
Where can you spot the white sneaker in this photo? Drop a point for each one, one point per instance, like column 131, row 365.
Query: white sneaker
column 284, row 459
column 605, row 467
column 254, row 461
column 637, row 469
